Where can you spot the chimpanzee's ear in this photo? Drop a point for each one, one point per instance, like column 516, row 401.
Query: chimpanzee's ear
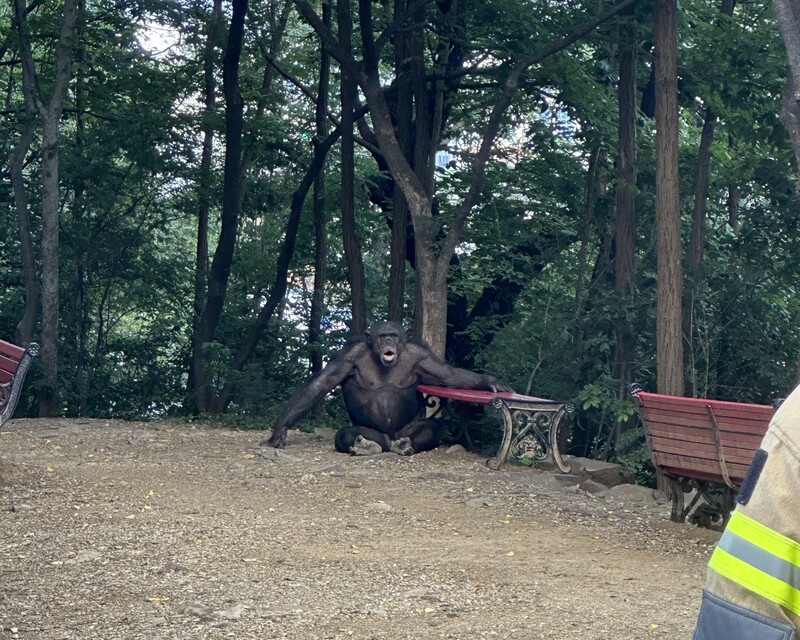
column 368, row 335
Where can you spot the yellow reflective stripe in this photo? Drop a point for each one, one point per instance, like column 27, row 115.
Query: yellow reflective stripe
column 764, row 537
column 761, row 560
column 755, row 580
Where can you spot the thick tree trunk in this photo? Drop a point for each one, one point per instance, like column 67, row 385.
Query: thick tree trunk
column 232, row 181
column 77, row 324
column 669, row 339
column 50, row 114
column 320, row 217
column 404, row 124
column 352, row 244
column 432, row 266
column 625, row 212
column 199, row 392
column 48, row 397
column 788, row 16
column 27, row 325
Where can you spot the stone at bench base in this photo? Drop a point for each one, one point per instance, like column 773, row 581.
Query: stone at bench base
column 606, row 473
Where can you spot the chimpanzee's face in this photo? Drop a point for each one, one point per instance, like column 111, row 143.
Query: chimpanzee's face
column 387, row 340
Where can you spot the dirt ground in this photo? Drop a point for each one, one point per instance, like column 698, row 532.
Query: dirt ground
column 140, row 530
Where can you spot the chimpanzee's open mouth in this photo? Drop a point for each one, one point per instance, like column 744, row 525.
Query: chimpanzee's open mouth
column 388, row 356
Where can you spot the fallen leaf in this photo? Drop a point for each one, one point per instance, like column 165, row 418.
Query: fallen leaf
column 158, row 599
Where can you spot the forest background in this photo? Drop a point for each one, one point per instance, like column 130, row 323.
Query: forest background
column 200, row 200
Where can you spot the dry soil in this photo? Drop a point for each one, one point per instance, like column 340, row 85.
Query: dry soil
column 122, row 530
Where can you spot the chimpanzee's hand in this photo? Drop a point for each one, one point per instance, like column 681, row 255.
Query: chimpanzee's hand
column 498, row 385
column 277, row 440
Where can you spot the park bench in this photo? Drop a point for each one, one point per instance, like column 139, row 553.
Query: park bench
column 530, row 425
column 14, row 364
column 701, row 444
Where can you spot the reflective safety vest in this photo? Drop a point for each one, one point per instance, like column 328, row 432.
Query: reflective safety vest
column 760, row 560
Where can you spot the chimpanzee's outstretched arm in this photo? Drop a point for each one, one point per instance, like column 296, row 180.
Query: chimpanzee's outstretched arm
column 304, row 399
column 434, row 370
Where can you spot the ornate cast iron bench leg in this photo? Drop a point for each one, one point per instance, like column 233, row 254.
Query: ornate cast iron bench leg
column 538, row 422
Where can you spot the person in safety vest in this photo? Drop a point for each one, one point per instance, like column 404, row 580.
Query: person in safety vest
column 752, row 590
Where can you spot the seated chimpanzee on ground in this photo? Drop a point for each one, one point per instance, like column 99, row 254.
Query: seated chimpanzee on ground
column 379, row 374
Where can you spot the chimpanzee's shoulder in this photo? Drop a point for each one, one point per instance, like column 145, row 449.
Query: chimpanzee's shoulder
column 418, row 347
column 354, row 348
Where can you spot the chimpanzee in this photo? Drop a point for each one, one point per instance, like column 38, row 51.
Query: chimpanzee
column 379, row 374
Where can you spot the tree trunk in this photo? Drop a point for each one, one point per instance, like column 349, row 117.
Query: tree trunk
column 232, row 182
column 27, row 325
column 432, row 266
column 625, row 213
column 278, row 289
column 352, row 245
column 697, row 243
column 50, row 114
column 669, row 342
column 594, row 185
column 199, row 391
column 320, row 218
column 77, row 326
column 788, row 17
column 404, row 124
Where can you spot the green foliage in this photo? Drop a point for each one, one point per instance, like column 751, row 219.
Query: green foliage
column 539, row 262
column 636, row 462
column 598, row 397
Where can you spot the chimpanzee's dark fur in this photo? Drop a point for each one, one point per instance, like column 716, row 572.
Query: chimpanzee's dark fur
column 379, row 374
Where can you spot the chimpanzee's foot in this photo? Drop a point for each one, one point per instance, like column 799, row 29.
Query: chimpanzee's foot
column 402, row 447
column 364, row 447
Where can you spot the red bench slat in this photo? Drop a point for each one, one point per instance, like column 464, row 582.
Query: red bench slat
column 471, row 395
column 681, row 434
column 691, row 438
column 657, row 399
column 7, row 368
column 727, row 437
column 11, row 350
column 702, row 452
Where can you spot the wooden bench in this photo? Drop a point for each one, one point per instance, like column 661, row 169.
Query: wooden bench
column 14, row 364
column 530, row 425
column 703, row 444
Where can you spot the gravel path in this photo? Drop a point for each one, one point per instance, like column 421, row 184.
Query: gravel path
column 121, row 530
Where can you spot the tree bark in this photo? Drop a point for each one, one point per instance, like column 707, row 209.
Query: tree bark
column 50, row 115
column 788, row 16
column 594, row 186
column 232, row 180
column 625, row 212
column 352, row 244
column 278, row 289
column 697, row 243
column 27, row 325
column 320, row 217
column 669, row 340
column 432, row 266
column 199, row 392
column 404, row 124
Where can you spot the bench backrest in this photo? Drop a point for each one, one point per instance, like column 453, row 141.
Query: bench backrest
column 700, row 438
column 10, row 356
